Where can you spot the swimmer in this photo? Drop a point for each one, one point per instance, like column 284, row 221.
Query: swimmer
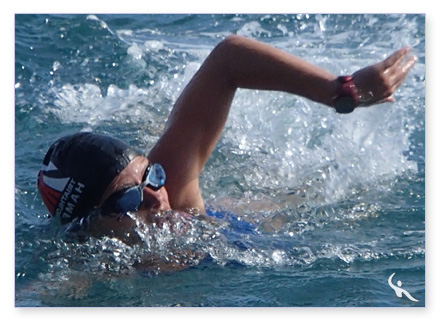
column 101, row 182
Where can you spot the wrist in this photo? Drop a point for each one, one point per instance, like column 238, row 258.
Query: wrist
column 347, row 96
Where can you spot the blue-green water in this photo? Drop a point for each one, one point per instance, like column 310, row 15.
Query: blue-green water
column 321, row 209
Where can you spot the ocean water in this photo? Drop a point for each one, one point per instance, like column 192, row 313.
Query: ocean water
column 309, row 208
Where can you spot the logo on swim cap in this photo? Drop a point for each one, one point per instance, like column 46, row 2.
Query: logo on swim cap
column 77, row 170
column 60, row 194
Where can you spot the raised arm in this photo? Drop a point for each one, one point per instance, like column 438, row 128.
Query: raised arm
column 200, row 113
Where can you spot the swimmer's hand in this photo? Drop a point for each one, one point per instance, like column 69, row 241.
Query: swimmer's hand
column 377, row 83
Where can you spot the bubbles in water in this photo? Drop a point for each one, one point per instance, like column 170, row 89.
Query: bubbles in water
column 253, row 29
column 289, row 166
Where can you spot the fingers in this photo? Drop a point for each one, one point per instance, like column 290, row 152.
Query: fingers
column 401, row 58
column 408, row 65
column 396, row 69
column 401, row 72
column 396, row 58
column 381, row 80
column 387, row 99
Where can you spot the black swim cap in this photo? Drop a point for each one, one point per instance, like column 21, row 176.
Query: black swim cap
column 77, row 170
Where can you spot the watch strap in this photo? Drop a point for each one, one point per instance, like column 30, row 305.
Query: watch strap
column 347, row 89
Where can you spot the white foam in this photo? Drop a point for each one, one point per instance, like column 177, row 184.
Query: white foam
column 277, row 141
column 86, row 103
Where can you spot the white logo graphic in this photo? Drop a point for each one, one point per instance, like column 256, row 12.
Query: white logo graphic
column 399, row 290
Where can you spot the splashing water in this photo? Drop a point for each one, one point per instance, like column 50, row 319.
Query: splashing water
column 290, row 187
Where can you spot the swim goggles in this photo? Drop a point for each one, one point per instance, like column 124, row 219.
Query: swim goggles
column 129, row 199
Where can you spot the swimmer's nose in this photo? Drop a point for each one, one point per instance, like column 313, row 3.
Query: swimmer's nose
column 153, row 200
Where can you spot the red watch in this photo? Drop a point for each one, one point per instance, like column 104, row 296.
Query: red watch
column 347, row 98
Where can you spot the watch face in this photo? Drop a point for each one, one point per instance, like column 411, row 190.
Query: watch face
column 345, row 105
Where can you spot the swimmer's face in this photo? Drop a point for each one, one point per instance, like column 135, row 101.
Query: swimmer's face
column 153, row 201
column 132, row 176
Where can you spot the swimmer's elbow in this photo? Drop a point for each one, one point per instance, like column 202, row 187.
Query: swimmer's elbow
column 233, row 40
column 231, row 46
column 226, row 55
